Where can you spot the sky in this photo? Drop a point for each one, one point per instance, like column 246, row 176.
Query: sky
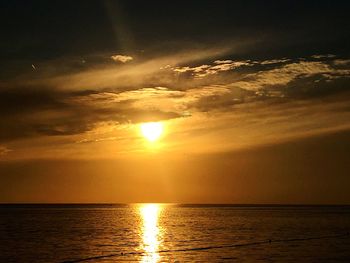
column 253, row 98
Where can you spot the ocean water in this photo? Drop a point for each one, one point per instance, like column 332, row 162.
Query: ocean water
column 174, row 233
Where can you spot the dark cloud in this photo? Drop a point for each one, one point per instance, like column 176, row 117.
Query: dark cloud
column 316, row 87
column 276, row 80
column 224, row 101
column 27, row 99
column 32, row 111
column 45, row 108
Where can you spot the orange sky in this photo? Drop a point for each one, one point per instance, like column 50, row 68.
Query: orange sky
column 251, row 112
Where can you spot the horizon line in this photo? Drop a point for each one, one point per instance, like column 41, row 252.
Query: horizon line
column 172, row 203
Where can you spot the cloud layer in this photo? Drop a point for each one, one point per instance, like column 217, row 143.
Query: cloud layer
column 170, row 88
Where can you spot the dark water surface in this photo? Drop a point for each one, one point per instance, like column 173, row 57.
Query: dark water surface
column 174, row 233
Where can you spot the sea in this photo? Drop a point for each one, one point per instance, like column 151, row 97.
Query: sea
column 173, row 233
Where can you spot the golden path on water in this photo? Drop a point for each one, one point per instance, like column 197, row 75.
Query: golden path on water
column 150, row 231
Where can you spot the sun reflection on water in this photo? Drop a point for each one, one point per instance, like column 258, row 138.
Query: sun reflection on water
column 150, row 231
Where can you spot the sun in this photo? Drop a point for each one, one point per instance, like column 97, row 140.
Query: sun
column 151, row 130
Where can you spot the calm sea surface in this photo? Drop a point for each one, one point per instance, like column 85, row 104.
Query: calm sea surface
column 173, row 233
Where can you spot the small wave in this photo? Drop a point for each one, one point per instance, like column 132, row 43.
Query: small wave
column 269, row 241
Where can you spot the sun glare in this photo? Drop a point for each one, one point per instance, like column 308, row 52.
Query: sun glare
column 152, row 130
